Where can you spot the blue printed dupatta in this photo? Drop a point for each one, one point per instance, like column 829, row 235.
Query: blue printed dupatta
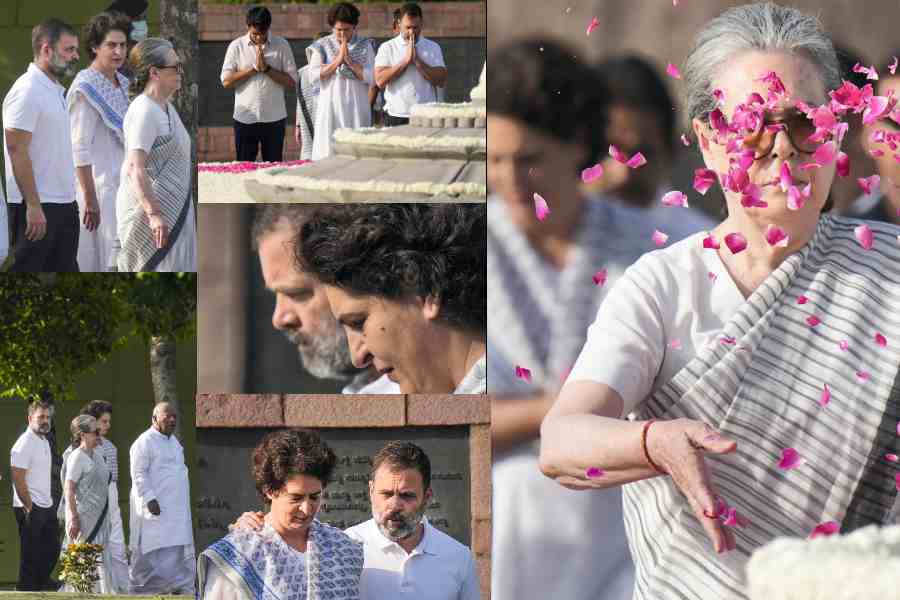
column 111, row 103
column 264, row 567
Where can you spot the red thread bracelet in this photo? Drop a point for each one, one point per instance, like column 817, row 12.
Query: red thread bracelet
column 649, row 460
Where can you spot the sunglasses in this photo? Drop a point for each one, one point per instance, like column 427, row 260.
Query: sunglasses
column 794, row 124
column 179, row 67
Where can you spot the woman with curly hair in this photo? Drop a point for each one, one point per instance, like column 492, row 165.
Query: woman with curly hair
column 294, row 556
column 407, row 282
column 154, row 206
column 85, row 505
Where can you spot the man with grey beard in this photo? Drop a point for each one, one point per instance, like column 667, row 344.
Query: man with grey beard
column 302, row 312
column 40, row 167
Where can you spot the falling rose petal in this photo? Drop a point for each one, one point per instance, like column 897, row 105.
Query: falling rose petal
column 735, row 242
column 727, row 340
column 784, row 177
column 790, row 459
column 719, row 95
column 825, row 154
column 659, row 238
column 730, row 517
column 898, row 427
column 843, row 345
column 672, row 71
column 710, row 242
column 592, row 173
column 600, row 277
column 594, row 472
column 797, row 198
column 864, row 236
column 843, row 164
column 675, row 345
column 870, row 72
column 704, row 179
column 684, row 140
column 594, row 24
column 523, row 374
column 869, row 183
column 876, row 107
column 776, row 236
column 675, row 198
column 892, row 457
column 636, row 161
column 541, row 210
column 880, row 340
column 801, row 299
column 813, row 320
column 825, row 398
column 893, row 67
column 825, row 529
column 617, row 154
column 862, row 375
column 712, row 277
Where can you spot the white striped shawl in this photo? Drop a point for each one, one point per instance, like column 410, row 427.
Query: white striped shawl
column 764, row 392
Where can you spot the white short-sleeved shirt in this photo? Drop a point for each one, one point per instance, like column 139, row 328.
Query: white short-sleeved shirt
column 259, row 99
column 32, row 453
column 410, row 87
column 37, row 104
column 657, row 317
column 439, row 568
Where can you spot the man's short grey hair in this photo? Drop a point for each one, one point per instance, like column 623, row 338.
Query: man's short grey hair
column 269, row 218
column 765, row 27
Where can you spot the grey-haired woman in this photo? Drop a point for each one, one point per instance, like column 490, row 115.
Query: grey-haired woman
column 757, row 361
column 154, row 206
column 85, row 480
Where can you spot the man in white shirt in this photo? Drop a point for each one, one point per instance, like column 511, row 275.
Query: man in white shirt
column 162, row 538
column 302, row 311
column 405, row 556
column 40, row 169
column 260, row 67
column 409, row 68
column 30, row 461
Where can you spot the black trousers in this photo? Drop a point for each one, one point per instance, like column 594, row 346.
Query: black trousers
column 391, row 121
column 39, row 544
column 248, row 139
column 57, row 251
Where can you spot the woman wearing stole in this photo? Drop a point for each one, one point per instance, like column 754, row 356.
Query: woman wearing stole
column 759, row 362
column 342, row 64
column 294, row 556
column 154, row 205
column 98, row 101
column 85, row 480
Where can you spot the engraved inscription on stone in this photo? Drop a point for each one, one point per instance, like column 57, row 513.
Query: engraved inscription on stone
column 228, row 488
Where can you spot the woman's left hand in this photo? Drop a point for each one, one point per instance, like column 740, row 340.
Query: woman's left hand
column 159, row 229
column 74, row 528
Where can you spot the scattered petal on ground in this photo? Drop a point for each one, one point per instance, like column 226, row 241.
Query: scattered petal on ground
column 790, row 459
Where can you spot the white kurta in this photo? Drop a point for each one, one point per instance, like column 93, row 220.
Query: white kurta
column 162, row 545
column 95, row 144
column 343, row 102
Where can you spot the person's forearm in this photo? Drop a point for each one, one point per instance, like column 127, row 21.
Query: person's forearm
column 326, row 71
column 71, row 504
column 22, row 489
column 384, row 75
column 573, row 443
column 436, row 76
column 237, row 77
column 143, row 189
column 281, row 78
column 24, row 175
column 515, row 420
column 85, row 175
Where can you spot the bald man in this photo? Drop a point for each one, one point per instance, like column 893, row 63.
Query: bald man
column 162, row 541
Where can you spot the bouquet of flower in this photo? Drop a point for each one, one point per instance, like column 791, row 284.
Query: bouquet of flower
column 79, row 566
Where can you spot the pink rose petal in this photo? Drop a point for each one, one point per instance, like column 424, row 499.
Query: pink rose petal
column 659, row 238
column 730, row 517
column 736, row 242
column 710, row 242
column 797, row 197
column 684, row 140
column 790, row 459
column 675, row 345
column 898, row 427
column 704, row 179
column 893, row 66
column 592, row 173
column 892, row 457
column 825, row 398
column 784, row 177
column 672, row 71
column 870, row 72
column 813, row 320
column 541, row 210
column 843, row 164
column 594, row 24
column 712, row 276
column 600, row 277
column 897, row 481
column 825, row 154
column 801, row 299
column 776, row 236
column 825, row 529
column 617, row 154
column 880, row 340
column 636, row 161
column 594, row 472
column 719, row 95
column 864, row 236
column 523, row 374
column 675, row 198
column 843, row 345
column 868, row 183
column 727, row 340
column 862, row 375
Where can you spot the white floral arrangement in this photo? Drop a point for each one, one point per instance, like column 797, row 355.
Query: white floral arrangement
column 378, row 137
column 445, row 110
column 459, row 188
column 863, row 565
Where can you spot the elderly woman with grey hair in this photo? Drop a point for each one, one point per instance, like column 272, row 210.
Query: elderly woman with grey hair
column 154, row 206
column 757, row 362
column 85, row 480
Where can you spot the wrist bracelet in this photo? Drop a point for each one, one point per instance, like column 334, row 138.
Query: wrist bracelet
column 649, row 460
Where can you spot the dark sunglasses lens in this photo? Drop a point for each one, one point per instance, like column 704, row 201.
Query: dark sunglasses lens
column 800, row 129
